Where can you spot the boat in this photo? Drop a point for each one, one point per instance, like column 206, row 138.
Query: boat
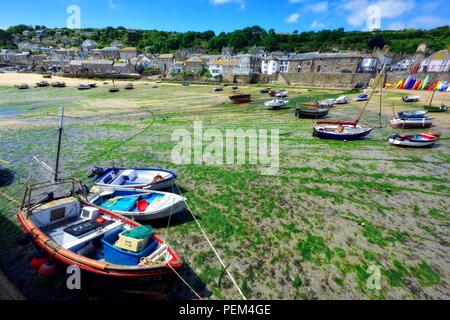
column 114, row 89
column 412, row 114
column 129, row 86
column 70, row 231
column 42, row 84
column 362, row 97
column 412, row 123
column 276, row 103
column 441, row 108
column 411, row 99
column 136, row 178
column 340, row 131
column 272, row 93
column 241, row 98
column 84, row 87
column 185, row 84
column 282, row 94
column 47, row 76
column 415, row 141
column 341, row 100
column 217, row 89
column 93, row 85
column 155, row 86
column 234, row 87
column 58, row 84
column 264, row 90
column 136, row 204
column 311, row 112
column 22, row 86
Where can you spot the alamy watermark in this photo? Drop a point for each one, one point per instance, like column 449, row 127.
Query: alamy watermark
column 74, row 20
column 373, row 18
column 374, row 280
column 234, row 146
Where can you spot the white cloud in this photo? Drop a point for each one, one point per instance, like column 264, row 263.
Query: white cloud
column 293, row 18
column 241, row 3
column 112, row 6
column 389, row 9
column 317, row 7
column 317, row 25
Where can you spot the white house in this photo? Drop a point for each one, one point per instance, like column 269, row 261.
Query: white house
column 89, row 45
column 270, row 66
column 438, row 62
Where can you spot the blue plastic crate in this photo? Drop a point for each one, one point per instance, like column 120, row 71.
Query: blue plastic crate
column 115, row 255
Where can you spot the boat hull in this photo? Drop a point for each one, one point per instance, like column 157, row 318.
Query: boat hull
column 411, row 144
column 322, row 133
column 411, row 123
column 304, row 113
column 436, row 109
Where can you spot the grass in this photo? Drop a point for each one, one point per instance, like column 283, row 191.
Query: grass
column 334, row 208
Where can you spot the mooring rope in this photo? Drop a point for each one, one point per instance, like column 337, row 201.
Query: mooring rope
column 187, row 284
column 212, row 247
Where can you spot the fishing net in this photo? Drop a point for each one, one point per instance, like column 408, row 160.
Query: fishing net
column 140, row 232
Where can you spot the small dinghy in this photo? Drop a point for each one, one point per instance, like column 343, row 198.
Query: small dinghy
column 22, row 86
column 84, row 87
column 264, row 90
column 340, row 130
column 441, row 108
column 93, row 85
column 341, row 100
column 234, row 87
column 411, row 99
column 155, row 86
column 282, row 94
column 217, row 89
column 129, row 86
column 140, row 178
column 98, row 241
column 412, row 114
column 137, row 204
column 114, row 89
column 42, row 84
column 47, row 76
column 311, row 112
column 58, row 84
column 426, row 139
column 411, row 123
column 362, row 97
column 276, row 103
column 241, row 98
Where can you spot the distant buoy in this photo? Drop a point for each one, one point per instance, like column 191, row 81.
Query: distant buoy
column 47, row 269
column 24, row 240
column 38, row 261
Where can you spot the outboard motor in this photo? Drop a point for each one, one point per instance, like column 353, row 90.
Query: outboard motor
column 96, row 172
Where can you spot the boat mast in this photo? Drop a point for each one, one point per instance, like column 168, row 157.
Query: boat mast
column 432, row 96
column 371, row 94
column 58, row 151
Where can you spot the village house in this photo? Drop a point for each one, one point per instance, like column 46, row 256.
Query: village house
column 248, row 65
column 109, row 53
column 103, row 67
column 438, row 62
column 315, row 62
column 177, row 67
column 89, row 45
column 228, row 53
column 116, row 44
column 164, row 62
column 194, row 64
column 270, row 65
column 223, row 69
column 24, row 58
column 128, row 53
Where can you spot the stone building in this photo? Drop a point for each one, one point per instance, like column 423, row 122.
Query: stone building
column 315, row 62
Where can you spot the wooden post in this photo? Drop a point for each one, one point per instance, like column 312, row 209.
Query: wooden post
column 58, row 151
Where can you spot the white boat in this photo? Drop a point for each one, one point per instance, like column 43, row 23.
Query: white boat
column 411, row 99
column 326, row 103
column 282, row 94
column 276, row 103
column 414, row 141
column 135, row 178
column 340, row 131
column 411, row 123
column 341, row 100
column 136, row 204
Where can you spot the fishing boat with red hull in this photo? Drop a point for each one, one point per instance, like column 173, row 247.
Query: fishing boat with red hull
column 70, row 231
column 241, row 98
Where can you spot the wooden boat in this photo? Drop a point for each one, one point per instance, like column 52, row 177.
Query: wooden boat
column 136, row 178
column 276, row 103
column 412, row 114
column 414, row 141
column 129, row 86
column 362, row 97
column 411, row 99
column 84, row 87
column 58, row 84
column 70, row 231
column 42, row 84
column 312, row 112
column 22, row 86
column 441, row 108
column 241, row 98
column 412, row 123
column 136, row 204
column 340, row 131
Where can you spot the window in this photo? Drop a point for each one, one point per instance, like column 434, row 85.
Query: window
column 318, row 68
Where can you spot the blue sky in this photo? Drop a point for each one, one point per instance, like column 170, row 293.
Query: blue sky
column 228, row 15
